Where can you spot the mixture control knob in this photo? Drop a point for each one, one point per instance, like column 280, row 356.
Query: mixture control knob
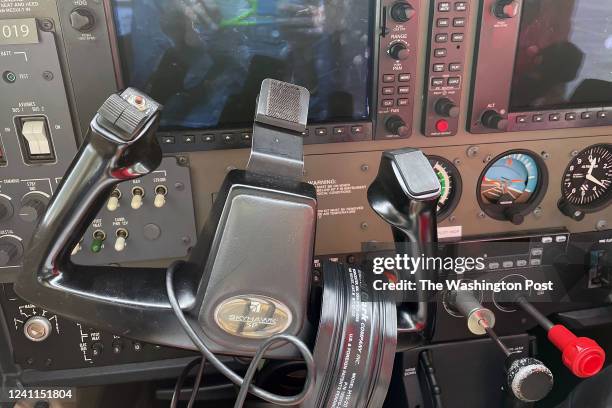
column 396, row 125
column 504, row 9
column 37, row 328
column 6, row 209
column 493, row 120
column 11, row 250
column 33, row 206
column 529, row 379
column 82, row 19
column 399, row 51
column 402, row 12
column 446, row 107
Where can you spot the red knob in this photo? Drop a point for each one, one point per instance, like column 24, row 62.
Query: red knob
column 583, row 356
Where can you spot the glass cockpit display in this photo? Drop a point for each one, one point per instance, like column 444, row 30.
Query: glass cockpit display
column 564, row 56
column 205, row 59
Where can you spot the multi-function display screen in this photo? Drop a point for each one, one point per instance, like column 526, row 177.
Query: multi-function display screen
column 564, row 56
column 204, row 60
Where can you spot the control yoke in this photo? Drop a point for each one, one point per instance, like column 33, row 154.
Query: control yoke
column 405, row 194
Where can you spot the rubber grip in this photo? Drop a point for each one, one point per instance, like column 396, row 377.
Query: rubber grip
column 582, row 355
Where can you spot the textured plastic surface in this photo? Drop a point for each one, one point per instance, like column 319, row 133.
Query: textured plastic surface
column 583, row 356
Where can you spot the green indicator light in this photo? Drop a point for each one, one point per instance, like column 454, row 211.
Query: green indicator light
column 96, row 246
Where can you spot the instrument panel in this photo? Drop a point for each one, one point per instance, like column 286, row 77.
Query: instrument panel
column 385, row 74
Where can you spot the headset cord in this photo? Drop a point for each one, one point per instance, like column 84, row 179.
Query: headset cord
column 245, row 383
column 200, row 362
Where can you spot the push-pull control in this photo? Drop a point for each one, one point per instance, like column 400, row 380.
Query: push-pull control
column 581, row 355
column 527, row 378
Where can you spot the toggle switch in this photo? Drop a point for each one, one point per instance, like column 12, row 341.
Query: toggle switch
column 120, row 243
column 35, row 139
column 160, row 196
column 113, row 201
column 99, row 237
column 137, row 195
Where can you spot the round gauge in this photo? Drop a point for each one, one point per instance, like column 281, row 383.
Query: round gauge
column 587, row 181
column 512, row 185
column 450, row 181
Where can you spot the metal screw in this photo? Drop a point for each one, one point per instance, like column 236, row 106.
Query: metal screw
column 481, row 214
column 46, row 24
column 182, row 160
column 47, row 75
column 186, row 240
column 472, row 151
column 230, row 168
column 488, row 158
column 457, row 161
column 316, row 276
column 538, row 212
column 574, row 153
column 179, row 186
column 364, row 225
column 545, row 155
column 351, row 259
column 48, row 362
column 452, row 218
column 602, row 225
column 365, row 167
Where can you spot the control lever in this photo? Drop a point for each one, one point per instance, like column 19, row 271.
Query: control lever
column 528, row 378
column 405, row 195
column 581, row 355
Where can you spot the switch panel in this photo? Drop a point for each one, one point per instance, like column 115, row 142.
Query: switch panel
column 35, row 139
column 446, row 67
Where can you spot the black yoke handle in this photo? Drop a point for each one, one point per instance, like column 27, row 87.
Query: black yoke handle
column 120, row 146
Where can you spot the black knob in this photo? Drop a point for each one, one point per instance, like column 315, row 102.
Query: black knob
column 529, row 379
column 399, row 51
column 397, row 126
column 11, row 250
column 493, row 120
column 33, row 206
column 82, row 19
column 446, row 107
column 567, row 209
column 504, row 9
column 6, row 209
column 402, row 12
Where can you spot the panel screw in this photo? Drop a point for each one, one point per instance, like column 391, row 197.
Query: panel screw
column 186, row 240
column 182, row 160
column 538, row 212
column 46, row 24
column 574, row 153
column 364, row 225
column 545, row 155
column 230, row 168
column 457, row 161
column 481, row 214
column 602, row 225
column 365, row 167
column 488, row 158
column 452, row 218
column 47, row 75
column 472, row 151
column 179, row 186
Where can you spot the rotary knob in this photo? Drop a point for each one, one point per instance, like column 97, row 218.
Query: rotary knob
column 399, row 51
column 6, row 209
column 504, row 9
column 493, row 120
column 529, row 379
column 37, row 328
column 33, row 206
column 396, row 125
column 11, row 250
column 402, row 12
column 82, row 19
column 447, row 108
